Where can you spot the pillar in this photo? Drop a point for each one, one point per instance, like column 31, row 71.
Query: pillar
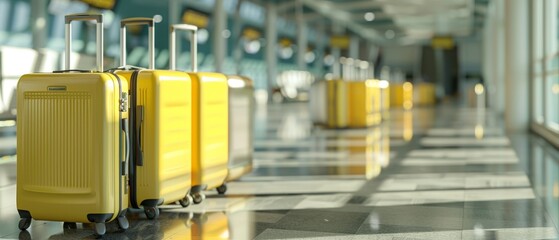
column 237, row 36
column 301, row 36
column 517, row 63
column 354, row 47
column 39, row 23
column 337, row 29
column 271, row 45
column 219, row 42
column 320, row 45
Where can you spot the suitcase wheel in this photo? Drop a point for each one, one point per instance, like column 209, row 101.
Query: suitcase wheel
column 24, row 235
column 122, row 222
column 24, row 223
column 69, row 225
column 100, row 229
column 198, row 197
column 222, row 189
column 186, row 201
column 151, row 212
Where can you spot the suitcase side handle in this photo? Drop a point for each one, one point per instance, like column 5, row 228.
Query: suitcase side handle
column 193, row 45
column 99, row 38
column 151, row 38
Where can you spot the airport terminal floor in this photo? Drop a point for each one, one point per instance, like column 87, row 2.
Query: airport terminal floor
column 429, row 173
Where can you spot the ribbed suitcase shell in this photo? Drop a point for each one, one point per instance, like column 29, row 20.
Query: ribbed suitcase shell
column 165, row 176
column 68, row 146
column 337, row 103
column 241, row 119
column 210, row 114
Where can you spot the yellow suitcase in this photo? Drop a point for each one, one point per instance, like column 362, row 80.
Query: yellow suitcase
column 424, row 94
column 361, row 104
column 241, row 122
column 210, row 122
column 160, row 171
column 337, row 103
column 384, row 99
column 401, row 95
column 72, row 131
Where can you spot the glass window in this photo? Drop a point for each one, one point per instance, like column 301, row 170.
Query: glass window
column 552, row 101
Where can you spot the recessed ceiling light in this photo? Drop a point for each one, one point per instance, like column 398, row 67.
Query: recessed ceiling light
column 369, row 16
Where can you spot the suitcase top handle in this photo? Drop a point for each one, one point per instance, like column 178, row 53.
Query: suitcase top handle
column 193, row 45
column 99, row 39
column 151, row 35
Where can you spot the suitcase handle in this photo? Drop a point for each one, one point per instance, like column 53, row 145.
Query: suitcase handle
column 362, row 70
column 139, row 122
column 99, row 39
column 347, row 64
column 151, row 38
column 193, row 45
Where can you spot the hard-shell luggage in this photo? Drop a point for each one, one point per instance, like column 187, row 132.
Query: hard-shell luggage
column 361, row 111
column 384, row 99
column 360, row 95
column 424, row 94
column 241, row 119
column 73, row 143
column 160, row 107
column 401, row 95
column 318, row 103
column 377, row 101
column 210, row 122
column 337, row 103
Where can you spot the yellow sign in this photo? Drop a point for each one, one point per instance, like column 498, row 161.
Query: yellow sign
column 442, row 42
column 339, row 42
column 285, row 42
column 195, row 18
column 102, row 4
column 251, row 34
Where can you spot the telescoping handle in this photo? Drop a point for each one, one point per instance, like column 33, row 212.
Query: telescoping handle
column 347, row 68
column 99, row 39
column 151, row 41
column 193, row 45
column 363, row 70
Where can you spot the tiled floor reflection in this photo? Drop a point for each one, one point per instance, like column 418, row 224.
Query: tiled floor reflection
column 432, row 173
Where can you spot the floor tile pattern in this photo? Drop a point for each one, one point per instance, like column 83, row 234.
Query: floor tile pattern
column 429, row 173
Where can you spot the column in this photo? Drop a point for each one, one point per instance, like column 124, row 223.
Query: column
column 271, row 45
column 320, row 45
column 219, row 41
column 301, row 36
column 499, row 43
column 337, row 29
column 516, row 64
column 237, row 36
column 39, row 23
column 175, row 7
column 354, row 46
